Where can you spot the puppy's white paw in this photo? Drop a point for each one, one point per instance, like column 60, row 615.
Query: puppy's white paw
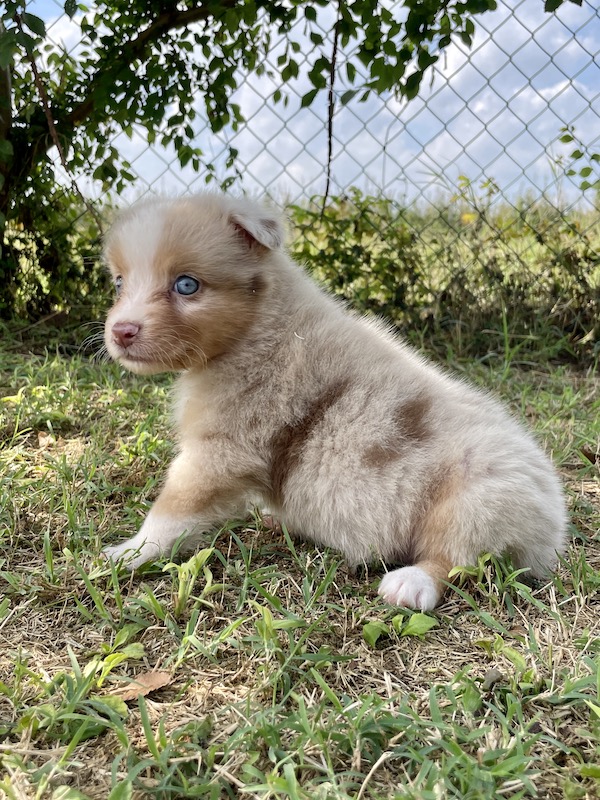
column 133, row 554
column 154, row 539
column 410, row 587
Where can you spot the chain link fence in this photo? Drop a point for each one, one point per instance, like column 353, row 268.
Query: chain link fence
column 482, row 187
column 492, row 112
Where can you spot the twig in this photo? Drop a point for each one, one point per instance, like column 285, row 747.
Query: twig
column 30, row 751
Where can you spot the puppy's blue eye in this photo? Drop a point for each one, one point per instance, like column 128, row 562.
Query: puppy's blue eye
column 186, row 285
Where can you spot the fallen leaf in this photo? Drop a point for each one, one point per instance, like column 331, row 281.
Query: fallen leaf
column 45, row 439
column 142, row 684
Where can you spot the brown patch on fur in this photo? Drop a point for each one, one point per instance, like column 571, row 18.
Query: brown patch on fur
column 437, row 524
column 287, row 445
column 181, row 500
column 379, row 455
column 173, row 259
column 222, row 329
column 436, row 527
column 409, row 424
column 437, row 568
column 410, row 418
column 204, row 252
column 218, row 327
column 181, row 497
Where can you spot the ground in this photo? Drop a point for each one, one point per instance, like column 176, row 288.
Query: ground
column 263, row 667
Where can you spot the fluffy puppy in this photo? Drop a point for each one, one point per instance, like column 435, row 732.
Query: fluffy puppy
column 287, row 400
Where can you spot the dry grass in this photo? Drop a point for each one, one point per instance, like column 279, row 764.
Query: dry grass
column 276, row 689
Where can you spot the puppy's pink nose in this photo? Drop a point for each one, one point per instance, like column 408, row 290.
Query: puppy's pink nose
column 124, row 333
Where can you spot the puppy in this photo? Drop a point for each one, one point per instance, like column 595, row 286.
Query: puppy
column 288, row 400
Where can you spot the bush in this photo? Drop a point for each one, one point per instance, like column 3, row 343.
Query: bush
column 464, row 275
column 50, row 261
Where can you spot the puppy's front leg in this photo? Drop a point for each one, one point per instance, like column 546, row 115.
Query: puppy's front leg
column 193, row 500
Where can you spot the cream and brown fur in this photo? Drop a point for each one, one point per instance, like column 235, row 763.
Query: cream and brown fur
column 287, row 400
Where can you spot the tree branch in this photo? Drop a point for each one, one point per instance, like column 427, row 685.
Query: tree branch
column 136, row 48
column 331, row 103
column 5, row 132
column 5, row 98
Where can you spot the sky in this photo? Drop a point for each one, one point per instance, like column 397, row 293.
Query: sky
column 494, row 111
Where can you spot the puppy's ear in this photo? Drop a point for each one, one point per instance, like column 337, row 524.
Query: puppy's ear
column 258, row 225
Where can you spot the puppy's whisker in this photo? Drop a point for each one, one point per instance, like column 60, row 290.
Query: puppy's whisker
column 94, row 341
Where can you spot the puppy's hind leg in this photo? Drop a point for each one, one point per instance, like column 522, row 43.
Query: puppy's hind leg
column 419, row 586
column 422, row 585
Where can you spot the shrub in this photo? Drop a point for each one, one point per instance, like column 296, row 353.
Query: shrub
column 468, row 274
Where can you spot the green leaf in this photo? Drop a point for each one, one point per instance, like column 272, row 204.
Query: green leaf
column 552, row 5
column 418, row 624
column 291, row 70
column 327, row 690
column 316, row 76
column 5, row 603
column 122, row 791
column 70, row 7
column 590, row 770
column 126, row 633
column 411, row 87
column 151, row 741
column 68, row 793
column 515, row 658
column 595, row 708
column 113, row 702
column 490, row 621
column 373, row 630
column 8, row 47
column 291, row 786
column 471, row 699
column 308, row 98
column 134, row 650
column 34, row 23
column 348, row 96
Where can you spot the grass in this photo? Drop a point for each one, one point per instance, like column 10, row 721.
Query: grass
column 262, row 667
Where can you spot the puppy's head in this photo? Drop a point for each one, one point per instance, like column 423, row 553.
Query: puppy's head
column 190, row 277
